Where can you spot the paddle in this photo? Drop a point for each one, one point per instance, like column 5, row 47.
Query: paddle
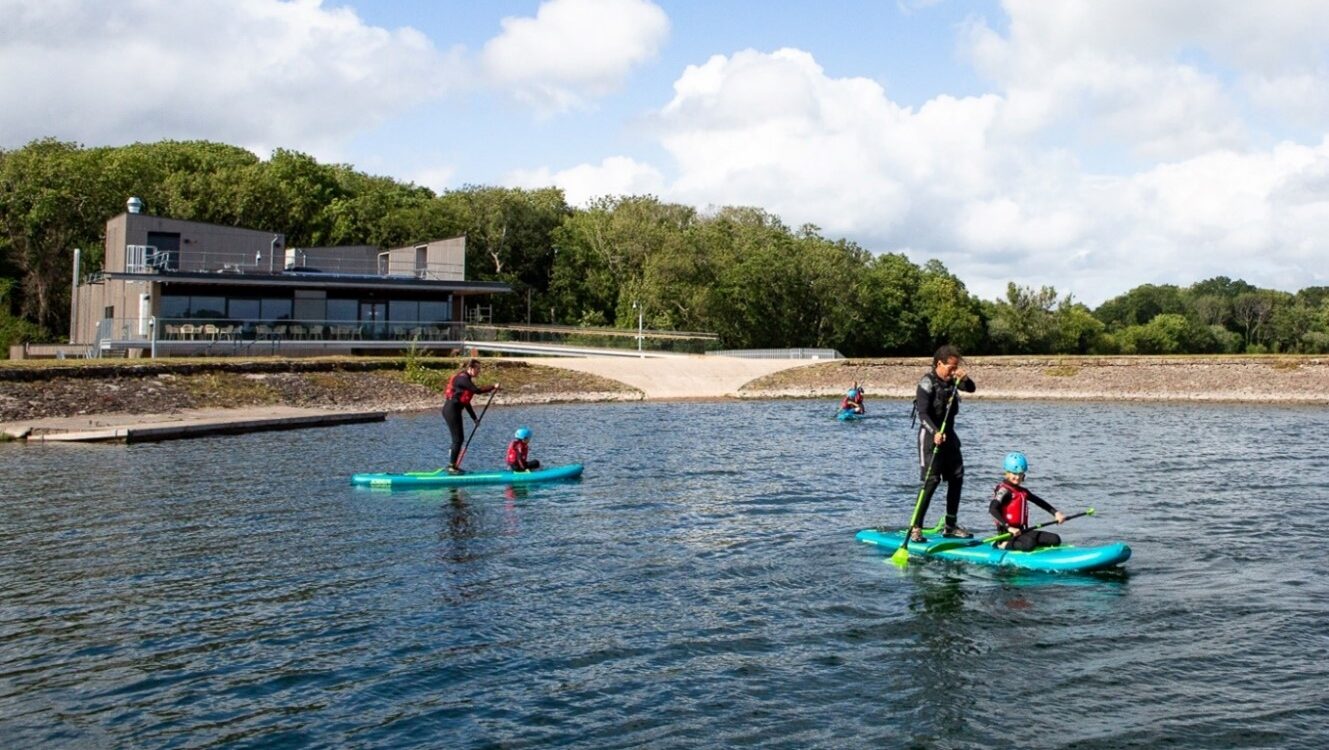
column 901, row 556
column 998, row 538
column 475, row 427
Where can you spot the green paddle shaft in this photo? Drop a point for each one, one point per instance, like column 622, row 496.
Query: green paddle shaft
column 901, row 556
column 475, row 427
column 999, row 537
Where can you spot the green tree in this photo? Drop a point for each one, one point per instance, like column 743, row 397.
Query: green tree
column 1077, row 331
column 891, row 323
column 951, row 313
column 1024, row 323
column 1140, row 305
column 49, row 204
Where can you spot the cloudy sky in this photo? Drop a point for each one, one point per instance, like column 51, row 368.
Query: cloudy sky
column 1091, row 145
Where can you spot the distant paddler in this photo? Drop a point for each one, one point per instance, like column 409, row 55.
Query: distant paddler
column 853, row 400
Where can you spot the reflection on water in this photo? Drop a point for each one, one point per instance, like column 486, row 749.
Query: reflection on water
column 677, row 596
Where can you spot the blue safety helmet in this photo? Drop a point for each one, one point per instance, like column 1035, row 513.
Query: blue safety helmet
column 853, row 392
column 1016, row 463
column 523, row 433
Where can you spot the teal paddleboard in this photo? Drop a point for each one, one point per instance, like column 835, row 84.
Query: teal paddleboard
column 849, row 415
column 441, row 478
column 1060, row 558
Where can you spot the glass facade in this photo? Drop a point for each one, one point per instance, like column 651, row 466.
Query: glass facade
column 304, row 307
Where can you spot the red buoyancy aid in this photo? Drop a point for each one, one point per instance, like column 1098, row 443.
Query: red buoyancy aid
column 1016, row 510
column 451, row 391
column 517, row 452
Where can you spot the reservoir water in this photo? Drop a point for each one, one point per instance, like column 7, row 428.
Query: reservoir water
column 699, row 587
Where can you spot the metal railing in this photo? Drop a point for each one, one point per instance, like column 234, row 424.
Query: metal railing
column 796, row 353
column 223, row 336
column 149, row 259
column 681, row 342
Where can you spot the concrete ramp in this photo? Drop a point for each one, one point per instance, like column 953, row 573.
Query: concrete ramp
column 677, row 377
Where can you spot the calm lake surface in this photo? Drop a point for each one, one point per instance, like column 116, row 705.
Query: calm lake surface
column 700, row 587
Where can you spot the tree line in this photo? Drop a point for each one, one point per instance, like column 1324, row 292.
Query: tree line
column 735, row 271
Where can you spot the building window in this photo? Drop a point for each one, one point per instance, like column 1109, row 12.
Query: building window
column 311, row 304
column 207, row 307
column 342, row 309
column 244, row 309
column 275, row 309
column 403, row 311
column 174, row 306
column 435, row 312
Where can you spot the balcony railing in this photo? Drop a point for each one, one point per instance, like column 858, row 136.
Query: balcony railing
column 223, row 336
column 148, row 259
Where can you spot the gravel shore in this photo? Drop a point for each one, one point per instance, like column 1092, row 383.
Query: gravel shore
column 1266, row 379
column 165, row 387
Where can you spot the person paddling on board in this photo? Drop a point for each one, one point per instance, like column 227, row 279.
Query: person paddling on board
column 1010, row 508
column 930, row 399
column 853, row 401
column 457, row 395
column 517, row 449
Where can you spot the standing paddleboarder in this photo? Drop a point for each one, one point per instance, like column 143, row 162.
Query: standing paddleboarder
column 930, row 399
column 460, row 390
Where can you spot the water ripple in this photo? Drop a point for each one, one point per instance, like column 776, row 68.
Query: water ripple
column 700, row 587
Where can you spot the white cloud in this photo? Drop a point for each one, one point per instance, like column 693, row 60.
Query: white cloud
column 573, row 50
column 964, row 180
column 616, row 175
column 259, row 73
column 437, row 178
column 1165, row 80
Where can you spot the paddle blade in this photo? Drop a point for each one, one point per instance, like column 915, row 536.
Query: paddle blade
column 901, row 557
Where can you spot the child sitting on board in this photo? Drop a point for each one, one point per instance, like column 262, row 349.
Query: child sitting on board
column 1010, row 508
column 521, row 443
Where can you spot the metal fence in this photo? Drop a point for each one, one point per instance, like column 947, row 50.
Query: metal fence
column 645, row 340
column 221, row 337
column 779, row 353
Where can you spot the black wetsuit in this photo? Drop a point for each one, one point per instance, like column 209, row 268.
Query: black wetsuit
column 1027, row 540
column 452, row 407
column 930, row 401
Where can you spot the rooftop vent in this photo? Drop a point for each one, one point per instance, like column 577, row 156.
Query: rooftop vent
column 134, row 205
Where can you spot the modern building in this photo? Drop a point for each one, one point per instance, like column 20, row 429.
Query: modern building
column 184, row 287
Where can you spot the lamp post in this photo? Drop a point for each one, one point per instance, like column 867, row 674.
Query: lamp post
column 272, row 251
column 638, row 307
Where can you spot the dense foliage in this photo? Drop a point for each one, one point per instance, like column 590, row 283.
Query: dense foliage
column 735, row 271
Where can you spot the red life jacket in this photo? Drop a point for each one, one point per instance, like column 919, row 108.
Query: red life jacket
column 451, row 391
column 517, row 453
column 1016, row 510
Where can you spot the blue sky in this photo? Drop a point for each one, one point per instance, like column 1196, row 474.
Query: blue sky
column 1090, row 145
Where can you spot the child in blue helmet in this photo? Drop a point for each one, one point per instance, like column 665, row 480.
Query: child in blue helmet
column 521, row 443
column 853, row 401
column 1010, row 508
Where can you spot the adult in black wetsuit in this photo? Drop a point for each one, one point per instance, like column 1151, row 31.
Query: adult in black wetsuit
column 930, row 399
column 460, row 390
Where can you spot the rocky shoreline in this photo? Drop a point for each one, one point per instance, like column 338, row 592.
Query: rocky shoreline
column 1245, row 379
column 38, row 391
column 32, row 392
